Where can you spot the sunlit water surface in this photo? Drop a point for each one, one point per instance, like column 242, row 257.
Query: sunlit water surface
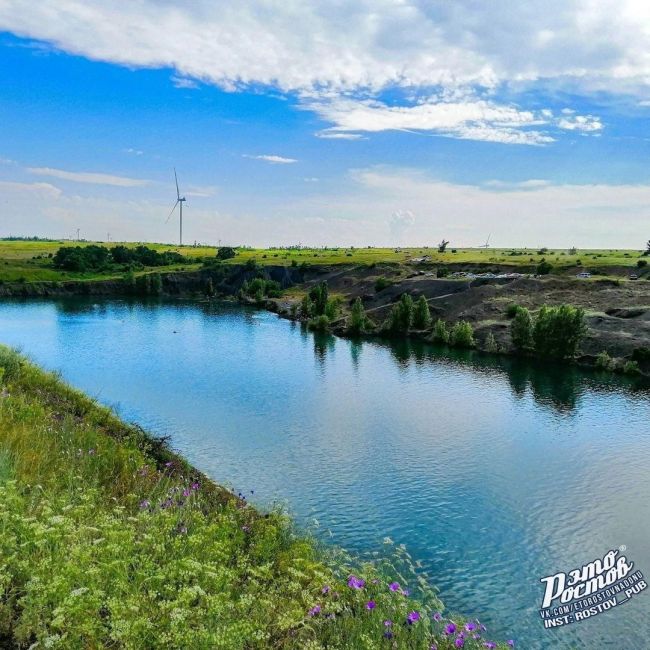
column 493, row 472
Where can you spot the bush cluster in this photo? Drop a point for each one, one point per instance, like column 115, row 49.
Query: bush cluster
column 101, row 258
column 555, row 333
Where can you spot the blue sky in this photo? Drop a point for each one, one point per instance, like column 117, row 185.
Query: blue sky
column 393, row 122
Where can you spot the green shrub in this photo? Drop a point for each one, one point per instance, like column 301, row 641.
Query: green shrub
column 421, row 314
column 631, row 368
column 319, row 295
column 156, row 284
column 401, row 315
column 358, row 320
column 642, row 263
column 512, row 309
column 558, row 331
column 544, row 268
column 491, row 344
column 521, row 329
column 604, row 361
column 319, row 323
column 440, row 332
column 382, row 283
column 307, row 307
column 462, row 335
column 641, row 354
column 226, row 253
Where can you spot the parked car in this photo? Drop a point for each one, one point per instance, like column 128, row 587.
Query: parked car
column 634, row 276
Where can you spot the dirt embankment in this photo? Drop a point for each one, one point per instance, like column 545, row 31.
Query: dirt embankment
column 617, row 311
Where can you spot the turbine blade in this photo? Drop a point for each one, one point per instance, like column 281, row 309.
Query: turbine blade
column 172, row 212
column 178, row 194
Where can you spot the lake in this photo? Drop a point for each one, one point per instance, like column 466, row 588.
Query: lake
column 493, row 472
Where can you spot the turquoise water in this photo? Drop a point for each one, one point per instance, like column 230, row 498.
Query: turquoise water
column 493, row 472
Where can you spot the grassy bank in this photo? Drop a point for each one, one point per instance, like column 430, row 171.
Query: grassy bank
column 31, row 261
column 107, row 539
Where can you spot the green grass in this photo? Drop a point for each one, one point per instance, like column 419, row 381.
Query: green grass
column 108, row 540
column 28, row 261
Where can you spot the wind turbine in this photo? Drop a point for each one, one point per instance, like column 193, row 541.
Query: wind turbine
column 179, row 201
column 487, row 243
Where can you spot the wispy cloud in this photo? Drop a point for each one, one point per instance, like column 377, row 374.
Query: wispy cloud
column 276, row 160
column 32, row 188
column 134, row 152
column 92, row 178
column 184, row 82
column 201, row 191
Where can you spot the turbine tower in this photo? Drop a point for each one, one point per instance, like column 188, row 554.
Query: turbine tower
column 179, row 201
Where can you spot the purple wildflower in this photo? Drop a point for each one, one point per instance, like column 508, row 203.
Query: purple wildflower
column 314, row 611
column 325, row 589
column 388, row 635
column 450, row 628
column 433, row 646
column 437, row 616
column 406, row 592
column 490, row 644
column 470, row 626
column 371, row 604
column 168, row 463
column 246, row 529
column 476, row 637
column 394, row 586
column 413, row 617
column 388, row 622
column 459, row 642
column 195, row 486
column 144, row 504
column 511, row 643
column 356, row 583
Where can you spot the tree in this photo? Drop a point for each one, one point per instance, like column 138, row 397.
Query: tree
column 401, row 316
column 462, row 335
column 521, row 329
column 358, row 318
column 156, row 284
column 421, row 314
column 319, row 296
column 647, row 248
column 442, row 246
column 440, row 332
column 307, row 307
column 558, row 331
column 544, row 268
column 225, row 253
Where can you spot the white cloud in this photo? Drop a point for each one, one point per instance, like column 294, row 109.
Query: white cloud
column 276, row 160
column 350, row 49
column 134, row 152
column 471, row 118
column 331, row 134
column 353, row 43
column 88, row 177
column 204, row 191
column 184, row 82
column 585, row 123
column 44, row 189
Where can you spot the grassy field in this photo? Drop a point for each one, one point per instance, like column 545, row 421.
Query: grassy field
column 30, row 261
column 109, row 540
